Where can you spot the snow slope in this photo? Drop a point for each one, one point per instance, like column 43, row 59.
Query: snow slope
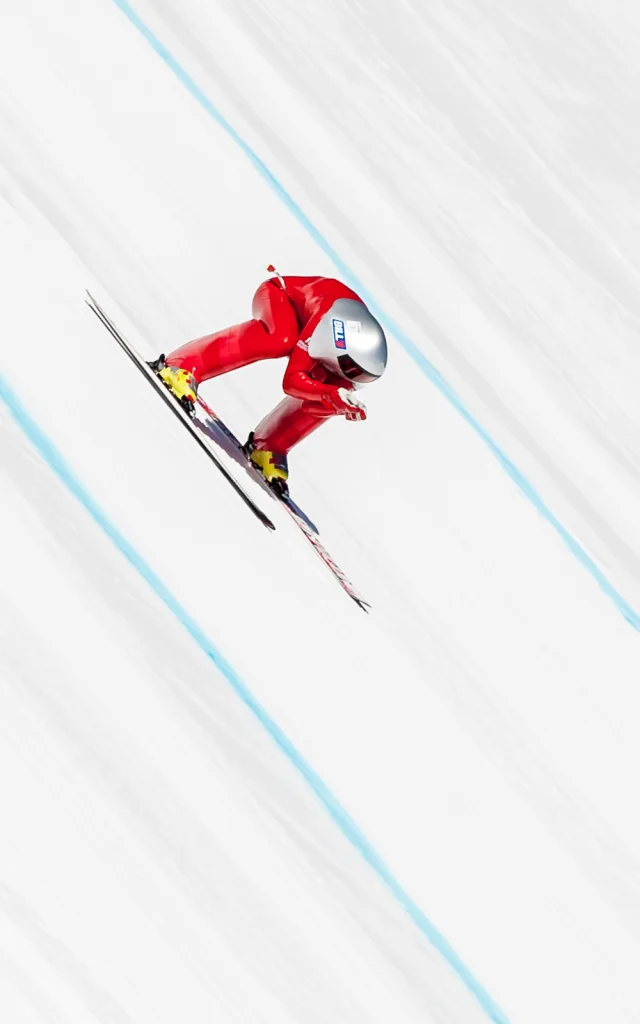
column 162, row 857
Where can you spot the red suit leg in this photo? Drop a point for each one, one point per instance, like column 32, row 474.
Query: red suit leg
column 292, row 420
column 271, row 334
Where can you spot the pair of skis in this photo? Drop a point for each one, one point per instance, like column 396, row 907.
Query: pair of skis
column 208, row 429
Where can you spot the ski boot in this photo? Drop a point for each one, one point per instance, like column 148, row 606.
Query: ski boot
column 181, row 383
column 273, row 467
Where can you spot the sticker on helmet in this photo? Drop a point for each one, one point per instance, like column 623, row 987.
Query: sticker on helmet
column 354, row 325
column 339, row 338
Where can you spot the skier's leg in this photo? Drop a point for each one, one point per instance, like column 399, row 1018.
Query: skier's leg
column 290, row 422
column 284, row 427
column 272, row 333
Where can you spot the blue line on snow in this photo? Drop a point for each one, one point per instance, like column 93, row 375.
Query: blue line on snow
column 345, row 823
column 421, row 361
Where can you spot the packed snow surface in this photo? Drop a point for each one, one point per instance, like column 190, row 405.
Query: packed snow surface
column 194, row 717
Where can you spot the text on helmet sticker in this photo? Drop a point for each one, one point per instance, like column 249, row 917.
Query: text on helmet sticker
column 339, row 338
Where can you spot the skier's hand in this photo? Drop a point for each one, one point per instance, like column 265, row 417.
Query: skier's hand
column 346, row 404
column 356, row 410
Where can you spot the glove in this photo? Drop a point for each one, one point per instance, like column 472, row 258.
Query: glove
column 346, row 404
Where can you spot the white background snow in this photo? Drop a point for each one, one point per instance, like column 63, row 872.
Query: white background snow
column 161, row 859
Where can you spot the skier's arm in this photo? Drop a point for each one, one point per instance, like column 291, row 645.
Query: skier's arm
column 297, row 381
column 299, row 384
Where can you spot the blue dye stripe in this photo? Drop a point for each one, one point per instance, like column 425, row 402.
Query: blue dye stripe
column 421, row 361
column 331, row 804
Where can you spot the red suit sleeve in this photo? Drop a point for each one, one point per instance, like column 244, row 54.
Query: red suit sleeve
column 297, row 381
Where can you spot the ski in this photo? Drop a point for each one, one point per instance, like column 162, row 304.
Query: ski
column 210, row 429
column 323, row 554
column 186, row 421
column 217, row 431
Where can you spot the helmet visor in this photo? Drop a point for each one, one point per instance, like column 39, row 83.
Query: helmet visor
column 353, row 372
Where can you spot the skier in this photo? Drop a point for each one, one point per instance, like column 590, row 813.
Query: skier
column 333, row 345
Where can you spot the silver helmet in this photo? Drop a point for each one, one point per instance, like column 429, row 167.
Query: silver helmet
column 350, row 342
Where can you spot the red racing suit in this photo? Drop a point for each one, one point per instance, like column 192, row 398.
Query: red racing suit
column 283, row 321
